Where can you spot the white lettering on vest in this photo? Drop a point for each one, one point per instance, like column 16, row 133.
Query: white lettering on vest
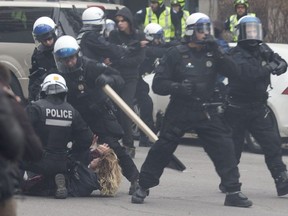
column 56, row 113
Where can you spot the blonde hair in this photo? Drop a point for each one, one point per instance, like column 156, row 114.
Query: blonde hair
column 109, row 173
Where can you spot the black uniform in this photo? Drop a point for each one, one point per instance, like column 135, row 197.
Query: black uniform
column 247, row 103
column 43, row 63
column 95, row 46
column 142, row 90
column 97, row 110
column 187, row 110
column 57, row 123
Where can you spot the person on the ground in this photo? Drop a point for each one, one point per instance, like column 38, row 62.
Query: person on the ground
column 85, row 79
column 127, row 35
column 188, row 73
column 247, row 97
column 103, row 173
column 42, row 60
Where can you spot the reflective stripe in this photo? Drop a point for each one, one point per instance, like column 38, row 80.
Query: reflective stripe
column 57, row 122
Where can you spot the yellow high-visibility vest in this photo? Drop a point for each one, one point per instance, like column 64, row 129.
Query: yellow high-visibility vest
column 164, row 21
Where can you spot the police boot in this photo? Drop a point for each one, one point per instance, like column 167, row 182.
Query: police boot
column 139, row 195
column 61, row 191
column 237, row 199
column 281, row 182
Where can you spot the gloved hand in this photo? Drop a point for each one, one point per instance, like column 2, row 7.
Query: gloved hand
column 104, row 79
column 212, row 46
column 185, row 88
column 280, row 69
column 211, row 43
column 276, row 67
column 118, row 81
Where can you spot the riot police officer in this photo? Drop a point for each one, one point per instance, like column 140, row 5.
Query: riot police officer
column 188, row 73
column 93, row 43
column 247, row 98
column 42, row 60
column 56, row 122
column 85, row 79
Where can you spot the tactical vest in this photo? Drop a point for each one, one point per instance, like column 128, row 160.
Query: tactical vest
column 164, row 21
column 199, row 71
column 56, row 125
column 233, row 23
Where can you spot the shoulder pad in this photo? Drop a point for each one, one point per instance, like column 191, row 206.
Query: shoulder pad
column 182, row 48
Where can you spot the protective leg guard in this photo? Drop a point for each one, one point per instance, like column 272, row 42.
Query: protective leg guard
column 237, row 199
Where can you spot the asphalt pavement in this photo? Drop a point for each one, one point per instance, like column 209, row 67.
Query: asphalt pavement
column 192, row 192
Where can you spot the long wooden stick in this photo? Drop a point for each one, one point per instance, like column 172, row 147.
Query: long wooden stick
column 131, row 114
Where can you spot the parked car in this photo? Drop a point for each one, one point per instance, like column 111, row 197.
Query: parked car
column 16, row 24
column 277, row 102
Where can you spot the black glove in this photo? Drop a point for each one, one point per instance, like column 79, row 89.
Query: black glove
column 118, row 81
column 280, row 69
column 104, row 79
column 212, row 46
column 277, row 67
column 185, row 88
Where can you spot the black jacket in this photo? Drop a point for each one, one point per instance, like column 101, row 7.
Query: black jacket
column 128, row 65
column 96, row 47
column 199, row 67
column 250, row 85
column 57, row 123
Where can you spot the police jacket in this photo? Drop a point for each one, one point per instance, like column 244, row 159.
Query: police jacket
column 84, row 92
column 152, row 53
column 95, row 46
column 42, row 59
column 57, row 123
column 128, row 65
column 250, row 85
column 200, row 67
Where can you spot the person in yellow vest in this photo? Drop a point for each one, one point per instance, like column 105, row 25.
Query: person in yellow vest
column 157, row 12
column 180, row 15
column 241, row 9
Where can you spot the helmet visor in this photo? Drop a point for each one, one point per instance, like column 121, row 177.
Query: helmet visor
column 199, row 27
column 250, row 31
column 68, row 64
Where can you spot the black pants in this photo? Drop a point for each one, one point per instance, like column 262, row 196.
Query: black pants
column 260, row 122
column 49, row 165
column 216, row 137
column 127, row 94
column 145, row 104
